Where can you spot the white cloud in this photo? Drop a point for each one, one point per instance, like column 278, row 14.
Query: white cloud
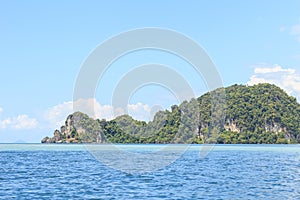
column 57, row 114
column 286, row 78
column 24, row 122
column 139, row 111
column 20, row 122
column 295, row 30
column 94, row 109
column 276, row 68
column 4, row 123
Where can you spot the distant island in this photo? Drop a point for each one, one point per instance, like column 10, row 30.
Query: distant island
column 259, row 114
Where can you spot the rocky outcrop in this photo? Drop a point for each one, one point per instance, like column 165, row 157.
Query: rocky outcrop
column 274, row 128
column 78, row 128
column 231, row 125
column 46, row 140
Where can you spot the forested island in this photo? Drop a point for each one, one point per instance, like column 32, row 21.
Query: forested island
column 259, row 114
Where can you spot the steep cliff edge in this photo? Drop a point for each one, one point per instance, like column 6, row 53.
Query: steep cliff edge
column 78, row 128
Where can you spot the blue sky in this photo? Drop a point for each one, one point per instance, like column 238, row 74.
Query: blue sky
column 44, row 43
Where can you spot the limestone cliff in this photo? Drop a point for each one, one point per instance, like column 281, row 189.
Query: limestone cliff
column 78, row 128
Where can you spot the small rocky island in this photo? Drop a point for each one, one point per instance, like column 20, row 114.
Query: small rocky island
column 262, row 113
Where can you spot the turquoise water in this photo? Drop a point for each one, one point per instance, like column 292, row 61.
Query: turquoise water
column 42, row 171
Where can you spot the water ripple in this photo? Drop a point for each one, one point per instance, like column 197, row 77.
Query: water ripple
column 226, row 173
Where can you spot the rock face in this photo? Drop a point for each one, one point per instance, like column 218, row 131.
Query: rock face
column 78, row 128
column 46, row 140
column 274, row 127
column 231, row 126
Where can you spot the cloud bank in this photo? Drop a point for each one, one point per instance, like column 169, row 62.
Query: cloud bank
column 286, row 78
column 20, row 122
column 57, row 114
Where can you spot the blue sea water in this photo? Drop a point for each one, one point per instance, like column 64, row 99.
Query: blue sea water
column 41, row 171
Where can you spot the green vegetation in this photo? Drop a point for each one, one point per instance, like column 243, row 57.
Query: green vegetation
column 262, row 113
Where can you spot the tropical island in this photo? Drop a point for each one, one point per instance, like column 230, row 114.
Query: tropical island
column 259, row 114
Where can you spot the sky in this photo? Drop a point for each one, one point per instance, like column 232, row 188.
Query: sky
column 44, row 44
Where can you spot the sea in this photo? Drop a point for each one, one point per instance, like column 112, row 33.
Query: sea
column 76, row 171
